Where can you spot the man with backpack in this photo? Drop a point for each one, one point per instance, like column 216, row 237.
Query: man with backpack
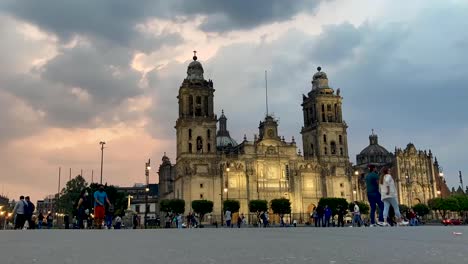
column 29, row 213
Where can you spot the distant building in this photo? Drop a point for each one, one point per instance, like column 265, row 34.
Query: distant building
column 417, row 173
column 138, row 199
column 4, row 201
column 46, row 205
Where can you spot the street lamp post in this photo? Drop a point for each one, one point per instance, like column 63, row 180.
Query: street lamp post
column 102, row 143
column 147, row 169
column 408, row 189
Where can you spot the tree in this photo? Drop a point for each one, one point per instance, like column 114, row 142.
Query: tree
column 449, row 204
column 421, row 209
column 70, row 194
column 363, row 207
column 165, row 205
column 462, row 204
column 403, row 208
column 232, row 205
column 257, row 206
column 443, row 205
column 177, row 206
column 202, row 207
column 333, row 203
column 281, row 207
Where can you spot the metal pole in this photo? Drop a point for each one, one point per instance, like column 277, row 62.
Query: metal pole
column 102, row 157
column 147, row 168
column 58, row 190
column 92, row 176
column 69, row 176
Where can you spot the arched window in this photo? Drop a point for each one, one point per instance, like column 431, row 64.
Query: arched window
column 326, row 151
column 312, row 149
column 341, row 152
column 209, row 147
column 191, row 105
column 190, row 134
column 324, row 138
column 205, row 105
column 199, row 145
column 333, row 148
column 198, row 109
column 208, row 134
column 323, row 117
column 340, row 139
column 190, row 147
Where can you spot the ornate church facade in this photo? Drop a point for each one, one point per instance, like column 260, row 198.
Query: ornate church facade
column 417, row 173
column 211, row 165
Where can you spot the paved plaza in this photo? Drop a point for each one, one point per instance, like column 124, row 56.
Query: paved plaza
column 247, row 245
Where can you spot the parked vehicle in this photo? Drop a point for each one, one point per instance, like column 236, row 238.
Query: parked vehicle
column 447, row 222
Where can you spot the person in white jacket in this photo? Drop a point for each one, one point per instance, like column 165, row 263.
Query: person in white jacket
column 389, row 196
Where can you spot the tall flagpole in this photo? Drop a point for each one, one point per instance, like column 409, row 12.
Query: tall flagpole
column 266, row 92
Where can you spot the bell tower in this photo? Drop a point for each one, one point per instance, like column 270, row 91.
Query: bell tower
column 325, row 138
column 196, row 125
column 324, row 132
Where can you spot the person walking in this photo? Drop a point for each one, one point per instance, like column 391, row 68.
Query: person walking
column 373, row 195
column 327, row 216
column 82, row 208
column 239, row 221
column 40, row 220
column 100, row 200
column 356, row 215
column 29, row 213
column 320, row 213
column 50, row 220
column 118, row 222
column 341, row 212
column 109, row 216
column 389, row 197
column 19, row 212
column 228, row 217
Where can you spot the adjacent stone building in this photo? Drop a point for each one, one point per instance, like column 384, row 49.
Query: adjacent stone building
column 211, row 165
column 417, row 173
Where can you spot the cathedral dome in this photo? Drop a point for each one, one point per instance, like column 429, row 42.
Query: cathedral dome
column 223, row 139
column 195, row 70
column 374, row 153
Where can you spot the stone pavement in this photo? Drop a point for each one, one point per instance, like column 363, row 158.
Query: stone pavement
column 247, row 245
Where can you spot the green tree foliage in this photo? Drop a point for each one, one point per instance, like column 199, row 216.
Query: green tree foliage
column 281, row 206
column 165, row 206
column 176, row 206
column 333, row 203
column 444, row 205
column 202, row 207
column 232, row 205
column 256, row 206
column 403, row 208
column 421, row 209
column 462, row 202
column 70, row 194
column 363, row 207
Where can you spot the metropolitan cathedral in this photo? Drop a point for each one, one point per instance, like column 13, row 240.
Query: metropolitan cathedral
column 213, row 166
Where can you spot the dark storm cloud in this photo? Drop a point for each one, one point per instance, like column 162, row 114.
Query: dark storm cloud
column 112, row 20
column 115, row 20
column 78, row 85
column 245, row 14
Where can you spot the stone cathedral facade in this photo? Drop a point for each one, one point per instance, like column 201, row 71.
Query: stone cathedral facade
column 211, row 165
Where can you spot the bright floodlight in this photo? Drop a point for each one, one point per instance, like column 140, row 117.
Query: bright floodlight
column 225, row 190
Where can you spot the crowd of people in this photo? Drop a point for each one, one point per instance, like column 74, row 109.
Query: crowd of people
column 381, row 194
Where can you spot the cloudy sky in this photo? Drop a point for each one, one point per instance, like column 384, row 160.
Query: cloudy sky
column 73, row 73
